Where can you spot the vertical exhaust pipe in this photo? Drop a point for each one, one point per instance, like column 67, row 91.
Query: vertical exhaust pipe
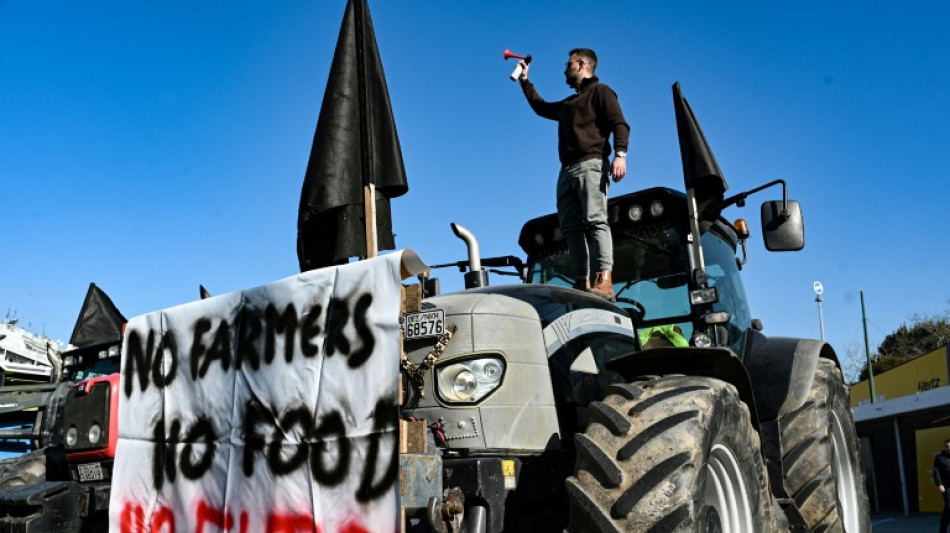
column 476, row 276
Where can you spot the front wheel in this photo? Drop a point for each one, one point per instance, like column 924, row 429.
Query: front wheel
column 674, row 454
column 821, row 457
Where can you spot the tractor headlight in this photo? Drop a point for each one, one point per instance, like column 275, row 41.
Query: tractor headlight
column 471, row 380
column 635, row 213
column 464, row 385
column 68, row 360
column 701, row 340
column 72, row 436
column 656, row 208
column 95, row 432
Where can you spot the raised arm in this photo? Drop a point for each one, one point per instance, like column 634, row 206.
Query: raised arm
column 543, row 108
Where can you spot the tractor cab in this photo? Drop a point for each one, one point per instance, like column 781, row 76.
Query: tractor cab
column 92, row 361
column 652, row 270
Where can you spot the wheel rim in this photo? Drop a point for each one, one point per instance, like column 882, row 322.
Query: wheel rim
column 844, row 476
column 725, row 492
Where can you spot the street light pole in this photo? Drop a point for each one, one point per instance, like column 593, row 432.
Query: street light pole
column 867, row 348
column 821, row 318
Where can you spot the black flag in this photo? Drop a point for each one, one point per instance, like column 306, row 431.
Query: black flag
column 99, row 320
column 355, row 144
column 700, row 170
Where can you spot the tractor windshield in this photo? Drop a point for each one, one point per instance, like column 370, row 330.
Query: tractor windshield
column 651, row 274
column 102, row 367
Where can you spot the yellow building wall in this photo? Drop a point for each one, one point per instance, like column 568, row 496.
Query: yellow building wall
column 924, row 373
column 929, row 444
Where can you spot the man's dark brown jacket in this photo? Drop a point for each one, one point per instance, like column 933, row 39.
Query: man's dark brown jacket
column 585, row 120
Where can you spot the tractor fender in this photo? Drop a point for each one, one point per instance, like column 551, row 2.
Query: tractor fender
column 719, row 363
column 782, row 370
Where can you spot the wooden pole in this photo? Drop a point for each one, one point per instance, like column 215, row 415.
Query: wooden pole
column 369, row 206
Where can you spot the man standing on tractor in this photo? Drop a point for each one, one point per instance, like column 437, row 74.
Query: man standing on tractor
column 585, row 122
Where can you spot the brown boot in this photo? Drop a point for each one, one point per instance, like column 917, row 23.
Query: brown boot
column 603, row 285
column 582, row 284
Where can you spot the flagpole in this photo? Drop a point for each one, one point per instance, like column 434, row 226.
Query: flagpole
column 369, row 206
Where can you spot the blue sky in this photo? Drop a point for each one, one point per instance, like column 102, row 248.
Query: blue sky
column 152, row 146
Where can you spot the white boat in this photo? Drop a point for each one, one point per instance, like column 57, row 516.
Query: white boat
column 25, row 356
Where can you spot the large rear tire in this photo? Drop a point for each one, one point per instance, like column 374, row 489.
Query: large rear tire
column 674, row 454
column 821, row 455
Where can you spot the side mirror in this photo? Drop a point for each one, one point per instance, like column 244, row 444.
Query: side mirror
column 783, row 232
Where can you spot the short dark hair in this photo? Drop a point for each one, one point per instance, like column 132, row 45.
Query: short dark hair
column 589, row 56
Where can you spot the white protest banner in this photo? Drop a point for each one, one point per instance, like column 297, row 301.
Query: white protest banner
column 266, row 410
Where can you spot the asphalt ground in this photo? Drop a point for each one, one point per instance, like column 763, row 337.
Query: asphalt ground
column 898, row 523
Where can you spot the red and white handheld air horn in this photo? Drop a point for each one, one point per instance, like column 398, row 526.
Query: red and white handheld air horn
column 517, row 72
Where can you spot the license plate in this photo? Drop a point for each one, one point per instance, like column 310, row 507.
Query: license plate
column 90, row 472
column 424, row 324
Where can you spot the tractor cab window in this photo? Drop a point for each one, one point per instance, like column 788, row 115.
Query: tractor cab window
column 651, row 281
column 102, row 367
column 650, row 275
column 723, row 273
